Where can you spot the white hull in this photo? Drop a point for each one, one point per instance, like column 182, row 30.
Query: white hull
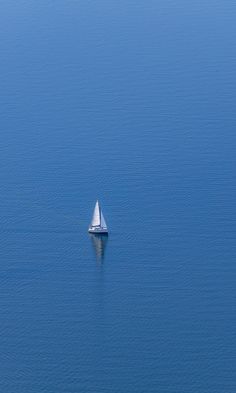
column 98, row 230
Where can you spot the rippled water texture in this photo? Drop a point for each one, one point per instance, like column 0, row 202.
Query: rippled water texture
column 133, row 103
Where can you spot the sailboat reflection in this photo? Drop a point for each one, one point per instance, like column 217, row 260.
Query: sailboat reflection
column 99, row 242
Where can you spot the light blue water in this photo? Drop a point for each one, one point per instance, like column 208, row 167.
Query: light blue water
column 133, row 103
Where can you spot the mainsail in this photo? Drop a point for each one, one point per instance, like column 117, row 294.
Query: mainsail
column 96, row 220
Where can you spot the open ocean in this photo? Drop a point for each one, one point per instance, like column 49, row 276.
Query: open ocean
column 131, row 102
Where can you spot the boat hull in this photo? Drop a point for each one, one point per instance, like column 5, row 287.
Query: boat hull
column 97, row 231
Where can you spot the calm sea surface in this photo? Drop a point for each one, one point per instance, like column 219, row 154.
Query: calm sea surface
column 131, row 102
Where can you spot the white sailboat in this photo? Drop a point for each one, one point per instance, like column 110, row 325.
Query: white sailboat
column 98, row 223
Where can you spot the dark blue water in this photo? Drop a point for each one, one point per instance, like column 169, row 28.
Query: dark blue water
column 132, row 102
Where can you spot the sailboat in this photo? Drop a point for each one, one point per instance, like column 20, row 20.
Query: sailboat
column 98, row 223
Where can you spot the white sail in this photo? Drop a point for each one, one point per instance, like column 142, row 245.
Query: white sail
column 96, row 220
column 103, row 222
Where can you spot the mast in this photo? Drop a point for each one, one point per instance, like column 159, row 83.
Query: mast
column 99, row 214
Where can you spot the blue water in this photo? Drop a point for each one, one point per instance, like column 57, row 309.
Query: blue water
column 132, row 102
